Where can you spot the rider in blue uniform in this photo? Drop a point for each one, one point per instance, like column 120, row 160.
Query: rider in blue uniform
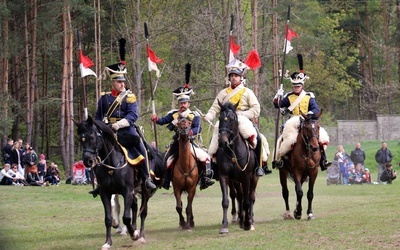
column 119, row 109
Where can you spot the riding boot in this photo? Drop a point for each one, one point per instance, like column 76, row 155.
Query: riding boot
column 206, row 177
column 95, row 191
column 167, row 179
column 148, row 182
column 259, row 171
column 266, row 169
column 324, row 163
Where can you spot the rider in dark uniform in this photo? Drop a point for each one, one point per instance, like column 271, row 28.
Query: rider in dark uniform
column 119, row 109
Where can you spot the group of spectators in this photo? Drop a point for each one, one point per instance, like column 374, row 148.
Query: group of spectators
column 23, row 167
column 352, row 169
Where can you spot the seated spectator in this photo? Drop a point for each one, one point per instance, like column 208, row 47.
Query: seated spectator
column 5, row 177
column 33, row 177
column 79, row 175
column 388, row 175
column 358, row 176
column 367, row 175
column 17, row 177
column 52, row 175
column 42, row 167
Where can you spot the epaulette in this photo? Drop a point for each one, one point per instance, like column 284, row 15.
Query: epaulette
column 173, row 111
column 131, row 98
column 105, row 93
column 311, row 94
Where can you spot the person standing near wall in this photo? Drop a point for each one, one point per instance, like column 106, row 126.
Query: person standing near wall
column 383, row 156
column 358, row 155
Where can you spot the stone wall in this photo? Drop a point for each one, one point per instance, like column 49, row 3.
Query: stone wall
column 385, row 128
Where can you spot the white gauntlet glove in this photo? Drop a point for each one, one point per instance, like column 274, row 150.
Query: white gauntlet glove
column 279, row 93
column 208, row 117
column 123, row 123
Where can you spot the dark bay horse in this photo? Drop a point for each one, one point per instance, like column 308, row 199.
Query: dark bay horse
column 303, row 163
column 114, row 174
column 236, row 163
column 185, row 174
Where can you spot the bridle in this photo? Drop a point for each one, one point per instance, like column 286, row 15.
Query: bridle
column 99, row 141
column 312, row 126
column 232, row 137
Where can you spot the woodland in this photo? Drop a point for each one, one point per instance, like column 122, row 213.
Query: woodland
column 351, row 52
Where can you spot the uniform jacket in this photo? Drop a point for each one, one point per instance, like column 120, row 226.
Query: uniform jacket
column 308, row 103
column 172, row 118
column 248, row 103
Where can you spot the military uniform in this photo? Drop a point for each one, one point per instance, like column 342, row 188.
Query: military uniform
column 248, row 106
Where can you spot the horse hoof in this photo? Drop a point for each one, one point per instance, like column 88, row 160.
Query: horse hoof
column 234, row 219
column 224, row 231
column 310, row 216
column 105, row 246
column 189, row 230
column 142, row 240
column 252, row 228
column 135, row 235
column 287, row 216
column 297, row 217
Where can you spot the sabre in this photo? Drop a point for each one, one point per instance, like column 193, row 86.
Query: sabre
column 202, row 116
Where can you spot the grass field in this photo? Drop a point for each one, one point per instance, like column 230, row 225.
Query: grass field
column 347, row 217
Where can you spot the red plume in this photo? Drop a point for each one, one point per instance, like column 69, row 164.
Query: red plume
column 253, row 60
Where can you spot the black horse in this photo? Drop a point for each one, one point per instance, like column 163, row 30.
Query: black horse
column 302, row 164
column 115, row 175
column 236, row 163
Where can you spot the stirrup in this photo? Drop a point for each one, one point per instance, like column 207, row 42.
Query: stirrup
column 259, row 172
column 149, row 184
column 277, row 164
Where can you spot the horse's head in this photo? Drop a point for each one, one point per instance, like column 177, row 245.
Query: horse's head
column 228, row 123
column 90, row 138
column 309, row 129
column 184, row 126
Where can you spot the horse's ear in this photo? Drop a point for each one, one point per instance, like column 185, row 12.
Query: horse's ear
column 319, row 114
column 89, row 120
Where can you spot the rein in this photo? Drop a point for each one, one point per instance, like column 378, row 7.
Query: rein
column 234, row 159
column 309, row 148
column 187, row 141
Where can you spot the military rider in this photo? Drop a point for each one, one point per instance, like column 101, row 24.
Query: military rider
column 119, row 109
column 172, row 120
column 295, row 102
column 247, row 110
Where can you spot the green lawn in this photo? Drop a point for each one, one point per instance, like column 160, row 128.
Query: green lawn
column 347, row 217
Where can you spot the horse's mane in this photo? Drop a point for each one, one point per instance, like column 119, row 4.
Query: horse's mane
column 107, row 131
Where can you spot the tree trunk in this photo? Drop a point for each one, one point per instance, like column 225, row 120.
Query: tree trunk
column 4, row 127
column 29, row 101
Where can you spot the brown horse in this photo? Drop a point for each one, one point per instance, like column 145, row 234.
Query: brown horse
column 185, row 174
column 302, row 163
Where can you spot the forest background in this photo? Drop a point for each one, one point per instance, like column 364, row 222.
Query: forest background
column 351, row 52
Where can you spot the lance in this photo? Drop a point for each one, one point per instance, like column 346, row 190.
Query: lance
column 84, row 100
column 230, row 38
column 281, row 84
column 146, row 35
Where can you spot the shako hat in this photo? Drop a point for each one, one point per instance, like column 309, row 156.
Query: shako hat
column 299, row 78
column 117, row 71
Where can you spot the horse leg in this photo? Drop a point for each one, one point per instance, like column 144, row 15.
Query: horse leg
column 178, row 198
column 115, row 213
column 134, row 209
column 127, row 217
column 246, row 204
column 143, row 213
column 310, row 197
column 283, row 175
column 189, row 208
column 253, row 187
column 232, row 194
column 106, row 200
column 299, row 195
column 239, row 198
column 225, row 204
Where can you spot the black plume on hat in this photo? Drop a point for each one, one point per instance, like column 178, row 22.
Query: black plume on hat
column 185, row 89
column 300, row 59
column 122, row 43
